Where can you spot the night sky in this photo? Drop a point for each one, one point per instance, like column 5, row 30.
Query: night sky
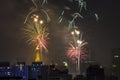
column 102, row 35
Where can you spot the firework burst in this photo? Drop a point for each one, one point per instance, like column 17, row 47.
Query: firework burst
column 73, row 52
column 37, row 8
column 36, row 34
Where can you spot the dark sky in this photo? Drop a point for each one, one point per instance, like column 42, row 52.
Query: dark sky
column 102, row 35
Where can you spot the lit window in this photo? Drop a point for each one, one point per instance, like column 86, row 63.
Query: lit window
column 8, row 73
column 8, row 67
column 21, row 67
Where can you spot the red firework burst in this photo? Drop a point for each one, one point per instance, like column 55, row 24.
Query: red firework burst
column 74, row 52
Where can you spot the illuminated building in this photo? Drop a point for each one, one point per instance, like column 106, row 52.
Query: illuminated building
column 5, row 69
column 38, row 70
column 116, row 62
column 35, row 70
column 20, row 70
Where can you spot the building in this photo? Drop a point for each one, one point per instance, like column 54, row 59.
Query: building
column 35, row 70
column 5, row 69
column 116, row 63
column 58, row 72
column 20, row 70
column 60, row 77
column 38, row 71
column 80, row 77
column 95, row 72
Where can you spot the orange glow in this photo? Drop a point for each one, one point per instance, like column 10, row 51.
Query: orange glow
column 37, row 58
column 37, row 48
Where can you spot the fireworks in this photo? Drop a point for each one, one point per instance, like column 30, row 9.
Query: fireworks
column 36, row 31
column 74, row 51
column 72, row 22
column 61, row 17
column 36, row 34
column 96, row 16
column 39, row 9
column 81, row 4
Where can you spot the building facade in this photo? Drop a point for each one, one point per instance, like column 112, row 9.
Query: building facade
column 116, row 62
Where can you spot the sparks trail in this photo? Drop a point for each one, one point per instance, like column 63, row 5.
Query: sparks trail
column 36, row 8
column 36, row 35
column 73, row 51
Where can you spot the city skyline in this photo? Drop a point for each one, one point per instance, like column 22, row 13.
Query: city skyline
column 102, row 35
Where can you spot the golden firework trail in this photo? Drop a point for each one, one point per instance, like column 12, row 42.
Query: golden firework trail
column 36, row 35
